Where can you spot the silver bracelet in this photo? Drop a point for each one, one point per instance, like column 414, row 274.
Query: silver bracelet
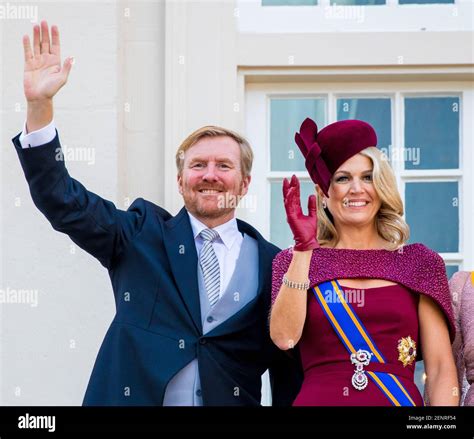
column 296, row 285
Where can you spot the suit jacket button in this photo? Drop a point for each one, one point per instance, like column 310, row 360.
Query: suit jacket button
column 210, row 319
column 198, row 392
column 202, row 341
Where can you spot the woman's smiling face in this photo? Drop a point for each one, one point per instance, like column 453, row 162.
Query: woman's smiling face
column 353, row 199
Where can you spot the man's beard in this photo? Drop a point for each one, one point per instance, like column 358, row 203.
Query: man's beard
column 221, row 208
column 212, row 213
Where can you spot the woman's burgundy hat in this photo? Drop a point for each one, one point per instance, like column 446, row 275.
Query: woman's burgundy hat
column 325, row 151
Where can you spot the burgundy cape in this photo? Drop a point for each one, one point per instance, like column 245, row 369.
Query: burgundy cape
column 389, row 313
column 414, row 266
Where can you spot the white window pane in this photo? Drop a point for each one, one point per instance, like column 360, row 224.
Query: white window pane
column 280, row 233
column 432, row 131
column 432, row 213
column 376, row 111
column 286, row 116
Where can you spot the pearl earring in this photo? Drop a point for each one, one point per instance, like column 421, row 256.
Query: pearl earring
column 324, row 203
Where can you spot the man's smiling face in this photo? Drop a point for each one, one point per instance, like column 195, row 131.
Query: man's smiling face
column 211, row 176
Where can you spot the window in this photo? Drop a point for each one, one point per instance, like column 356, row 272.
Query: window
column 432, row 125
column 419, row 133
column 286, row 116
column 432, row 213
column 376, row 111
column 431, row 172
column 280, row 17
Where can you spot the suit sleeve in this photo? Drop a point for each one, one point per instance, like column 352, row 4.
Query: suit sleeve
column 93, row 223
column 286, row 377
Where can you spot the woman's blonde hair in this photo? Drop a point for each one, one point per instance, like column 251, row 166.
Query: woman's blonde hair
column 389, row 219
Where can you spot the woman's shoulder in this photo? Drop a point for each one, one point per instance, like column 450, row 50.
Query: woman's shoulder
column 412, row 255
column 421, row 251
column 414, row 250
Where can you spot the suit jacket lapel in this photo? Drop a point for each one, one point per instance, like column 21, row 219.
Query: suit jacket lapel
column 181, row 249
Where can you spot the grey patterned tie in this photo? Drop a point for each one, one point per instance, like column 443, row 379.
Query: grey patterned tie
column 210, row 265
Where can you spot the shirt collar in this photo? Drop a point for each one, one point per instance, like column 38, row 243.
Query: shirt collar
column 228, row 232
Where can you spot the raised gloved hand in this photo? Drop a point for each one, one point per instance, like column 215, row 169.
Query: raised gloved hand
column 304, row 227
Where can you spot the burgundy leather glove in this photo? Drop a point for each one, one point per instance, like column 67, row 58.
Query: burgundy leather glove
column 304, row 227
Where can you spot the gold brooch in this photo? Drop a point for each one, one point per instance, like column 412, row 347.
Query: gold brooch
column 406, row 350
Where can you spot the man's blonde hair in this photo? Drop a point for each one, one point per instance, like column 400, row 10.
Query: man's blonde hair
column 246, row 153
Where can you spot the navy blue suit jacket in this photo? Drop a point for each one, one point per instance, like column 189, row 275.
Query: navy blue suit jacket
column 151, row 259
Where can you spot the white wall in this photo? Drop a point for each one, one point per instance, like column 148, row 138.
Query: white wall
column 48, row 350
column 140, row 46
column 140, row 67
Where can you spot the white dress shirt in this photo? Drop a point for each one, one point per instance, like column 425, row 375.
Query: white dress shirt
column 38, row 137
column 227, row 247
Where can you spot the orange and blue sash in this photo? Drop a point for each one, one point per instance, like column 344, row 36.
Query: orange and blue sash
column 354, row 337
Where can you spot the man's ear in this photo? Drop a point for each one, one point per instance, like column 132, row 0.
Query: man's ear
column 179, row 179
column 245, row 184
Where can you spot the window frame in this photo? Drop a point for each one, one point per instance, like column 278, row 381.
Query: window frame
column 255, row 18
column 258, row 97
